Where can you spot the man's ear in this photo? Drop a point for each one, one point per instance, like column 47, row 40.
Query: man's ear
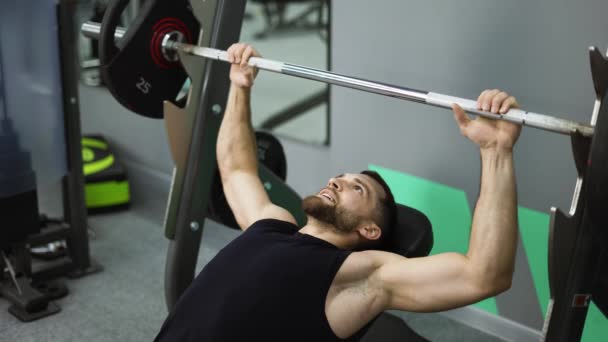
column 370, row 231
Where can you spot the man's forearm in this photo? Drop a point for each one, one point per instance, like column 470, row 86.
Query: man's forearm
column 493, row 240
column 236, row 148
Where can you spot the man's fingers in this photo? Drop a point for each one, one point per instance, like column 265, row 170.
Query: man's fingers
column 255, row 52
column 486, row 101
column 237, row 52
column 231, row 53
column 497, row 101
column 507, row 104
column 480, row 98
column 249, row 51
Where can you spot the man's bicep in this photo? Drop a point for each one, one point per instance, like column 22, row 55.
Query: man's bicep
column 249, row 201
column 434, row 283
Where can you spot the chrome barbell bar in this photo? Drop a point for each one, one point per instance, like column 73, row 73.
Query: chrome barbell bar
column 536, row 120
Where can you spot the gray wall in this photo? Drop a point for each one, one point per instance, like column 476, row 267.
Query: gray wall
column 536, row 50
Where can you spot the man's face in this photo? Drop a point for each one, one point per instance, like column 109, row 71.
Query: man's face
column 347, row 201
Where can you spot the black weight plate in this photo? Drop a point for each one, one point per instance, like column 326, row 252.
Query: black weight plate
column 218, row 208
column 597, row 174
column 271, row 153
column 135, row 71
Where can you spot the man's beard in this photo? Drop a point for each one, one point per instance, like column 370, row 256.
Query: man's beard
column 343, row 221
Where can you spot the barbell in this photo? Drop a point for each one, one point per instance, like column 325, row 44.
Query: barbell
column 141, row 67
column 162, row 53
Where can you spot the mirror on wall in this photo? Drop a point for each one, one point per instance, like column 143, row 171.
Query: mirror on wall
column 292, row 31
column 296, row 32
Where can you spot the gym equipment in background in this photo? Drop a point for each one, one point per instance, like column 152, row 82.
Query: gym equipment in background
column 106, row 182
column 19, row 213
column 577, row 241
column 29, row 285
column 277, row 22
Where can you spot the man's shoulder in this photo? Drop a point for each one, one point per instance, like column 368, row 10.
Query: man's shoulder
column 373, row 258
column 362, row 264
column 356, row 267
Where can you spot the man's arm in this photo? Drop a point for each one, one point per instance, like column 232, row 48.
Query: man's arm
column 450, row 280
column 236, row 148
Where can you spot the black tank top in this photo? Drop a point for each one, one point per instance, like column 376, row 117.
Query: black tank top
column 269, row 284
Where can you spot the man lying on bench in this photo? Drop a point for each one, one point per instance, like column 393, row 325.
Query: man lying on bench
column 325, row 281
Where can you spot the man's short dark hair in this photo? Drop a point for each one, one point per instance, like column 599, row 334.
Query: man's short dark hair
column 387, row 210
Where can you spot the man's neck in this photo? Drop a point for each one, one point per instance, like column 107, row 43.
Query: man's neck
column 328, row 233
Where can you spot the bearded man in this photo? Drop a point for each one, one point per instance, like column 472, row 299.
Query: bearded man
column 325, row 281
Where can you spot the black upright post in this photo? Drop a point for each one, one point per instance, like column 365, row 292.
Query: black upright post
column 74, row 208
column 185, row 231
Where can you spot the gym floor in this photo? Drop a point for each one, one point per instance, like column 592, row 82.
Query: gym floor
column 125, row 302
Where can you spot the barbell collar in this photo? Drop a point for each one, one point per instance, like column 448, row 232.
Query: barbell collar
column 92, row 30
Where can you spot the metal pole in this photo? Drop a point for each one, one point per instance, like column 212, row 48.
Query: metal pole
column 536, row 120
